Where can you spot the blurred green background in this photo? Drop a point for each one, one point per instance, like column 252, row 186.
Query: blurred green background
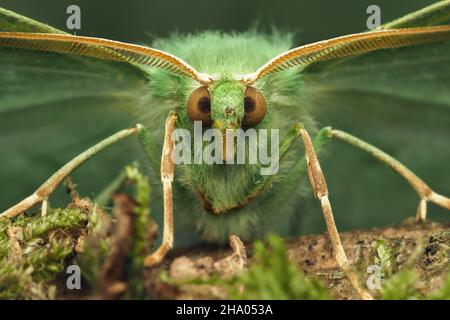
column 139, row 20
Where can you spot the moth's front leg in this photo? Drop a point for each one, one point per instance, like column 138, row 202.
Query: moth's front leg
column 167, row 174
column 320, row 189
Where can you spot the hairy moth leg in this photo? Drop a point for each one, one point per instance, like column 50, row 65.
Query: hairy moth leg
column 317, row 180
column 46, row 189
column 422, row 189
column 320, row 190
column 167, row 174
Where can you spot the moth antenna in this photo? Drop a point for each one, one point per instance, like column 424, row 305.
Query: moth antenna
column 349, row 45
column 101, row 49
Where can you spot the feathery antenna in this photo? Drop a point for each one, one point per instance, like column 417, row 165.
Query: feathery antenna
column 349, row 45
column 101, row 49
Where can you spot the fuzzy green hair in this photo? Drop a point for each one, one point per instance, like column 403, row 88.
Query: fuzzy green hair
column 226, row 55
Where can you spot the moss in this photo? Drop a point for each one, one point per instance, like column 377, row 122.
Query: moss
column 273, row 276
column 406, row 285
column 36, row 252
column 436, row 256
column 45, row 244
column 99, row 237
column 383, row 257
column 96, row 245
column 37, row 226
column 49, row 260
column 430, row 258
column 142, row 233
column 401, row 286
column 17, row 282
column 443, row 293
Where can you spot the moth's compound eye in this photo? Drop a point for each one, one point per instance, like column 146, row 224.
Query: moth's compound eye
column 254, row 107
column 199, row 106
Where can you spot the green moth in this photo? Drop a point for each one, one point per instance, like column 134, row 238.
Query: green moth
column 61, row 94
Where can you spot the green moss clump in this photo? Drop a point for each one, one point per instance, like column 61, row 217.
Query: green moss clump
column 99, row 238
column 17, row 282
column 431, row 256
column 401, row 286
column 95, row 246
column 273, row 276
column 443, row 293
column 383, row 258
column 143, row 225
column 405, row 285
column 37, row 251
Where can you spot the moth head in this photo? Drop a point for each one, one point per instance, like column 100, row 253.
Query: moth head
column 227, row 104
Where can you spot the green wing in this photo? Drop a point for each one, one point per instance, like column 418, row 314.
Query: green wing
column 11, row 21
column 397, row 100
column 54, row 106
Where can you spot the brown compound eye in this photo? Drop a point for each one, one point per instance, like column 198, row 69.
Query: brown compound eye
column 254, row 107
column 199, row 106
